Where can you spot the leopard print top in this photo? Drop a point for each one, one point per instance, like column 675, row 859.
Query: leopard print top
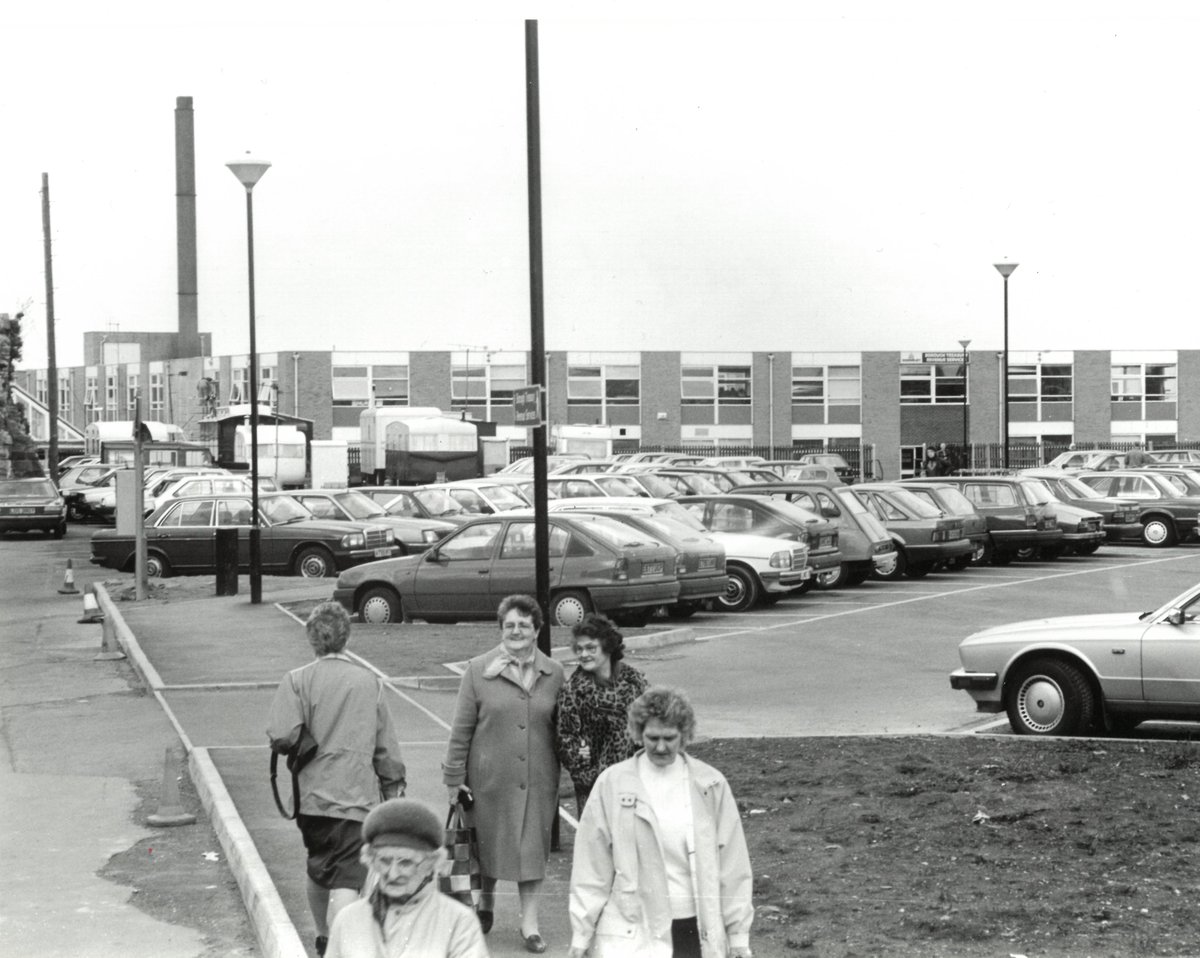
column 597, row 716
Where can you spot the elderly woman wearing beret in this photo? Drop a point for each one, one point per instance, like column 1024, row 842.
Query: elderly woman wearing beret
column 405, row 913
column 661, row 868
column 501, row 757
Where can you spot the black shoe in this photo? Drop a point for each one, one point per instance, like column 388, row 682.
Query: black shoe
column 485, row 920
column 322, row 943
column 535, row 943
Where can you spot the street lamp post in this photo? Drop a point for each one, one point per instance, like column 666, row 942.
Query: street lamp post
column 966, row 365
column 249, row 171
column 1005, row 270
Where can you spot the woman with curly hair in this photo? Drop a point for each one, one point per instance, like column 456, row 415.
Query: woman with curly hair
column 594, row 703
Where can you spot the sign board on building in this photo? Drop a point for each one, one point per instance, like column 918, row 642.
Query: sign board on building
column 529, row 406
column 943, row 358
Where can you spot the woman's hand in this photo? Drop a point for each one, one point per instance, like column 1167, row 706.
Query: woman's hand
column 454, row 791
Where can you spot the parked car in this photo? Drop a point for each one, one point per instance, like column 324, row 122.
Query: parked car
column 428, row 502
column 350, row 505
column 596, row 564
column 866, row 546
column 67, row 463
column 1070, row 675
column 586, row 486
column 481, row 499
column 731, row 462
column 1179, row 457
column 682, row 483
column 209, row 484
column 81, row 475
column 758, row 569
column 760, row 516
column 27, row 505
column 699, row 562
column 73, row 493
column 587, row 467
column 655, row 486
column 792, row 470
column 524, row 466
column 949, row 500
column 181, row 538
column 1017, row 519
column 1090, row 460
column 843, row 469
column 925, row 537
column 1082, row 530
column 1167, row 516
column 1119, row 517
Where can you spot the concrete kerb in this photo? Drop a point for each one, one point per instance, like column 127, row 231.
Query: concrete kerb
column 273, row 927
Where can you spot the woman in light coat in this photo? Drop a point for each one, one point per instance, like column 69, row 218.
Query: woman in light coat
column 661, row 868
column 501, row 757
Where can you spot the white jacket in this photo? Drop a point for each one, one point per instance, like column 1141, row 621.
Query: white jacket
column 619, row 903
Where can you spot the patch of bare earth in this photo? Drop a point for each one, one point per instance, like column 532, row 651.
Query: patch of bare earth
column 969, row 846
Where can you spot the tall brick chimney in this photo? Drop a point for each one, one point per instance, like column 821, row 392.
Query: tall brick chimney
column 185, row 227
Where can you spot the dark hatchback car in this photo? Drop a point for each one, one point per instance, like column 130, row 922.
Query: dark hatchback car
column 181, row 538
column 866, row 546
column 949, row 500
column 1018, row 518
column 30, row 505
column 760, row 516
column 925, row 536
column 596, row 564
column 1166, row 512
column 1118, row 517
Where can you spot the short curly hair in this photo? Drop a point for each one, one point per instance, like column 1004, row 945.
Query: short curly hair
column 601, row 628
column 525, row 604
column 328, row 628
column 669, row 705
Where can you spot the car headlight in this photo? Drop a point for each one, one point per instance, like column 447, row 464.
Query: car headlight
column 354, row 540
column 781, row 560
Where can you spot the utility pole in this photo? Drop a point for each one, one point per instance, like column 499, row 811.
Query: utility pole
column 51, row 360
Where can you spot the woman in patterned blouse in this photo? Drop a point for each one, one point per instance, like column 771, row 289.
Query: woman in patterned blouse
column 593, row 705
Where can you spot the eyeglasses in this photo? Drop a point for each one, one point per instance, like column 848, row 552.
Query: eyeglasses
column 386, row 863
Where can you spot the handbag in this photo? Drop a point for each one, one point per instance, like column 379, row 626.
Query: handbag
column 296, row 757
column 463, row 880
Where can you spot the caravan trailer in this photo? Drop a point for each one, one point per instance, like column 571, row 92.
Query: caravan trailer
column 416, row 444
column 163, row 444
column 282, row 453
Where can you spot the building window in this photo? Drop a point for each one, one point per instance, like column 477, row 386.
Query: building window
column 351, row 386
column 268, row 387
column 1151, row 382
column 595, row 387
column 931, row 383
column 239, row 385
column 64, row 399
column 133, row 383
column 826, row 385
column 723, row 385
column 40, row 389
column 112, row 407
column 487, row 386
column 158, row 396
column 91, row 400
column 390, row 385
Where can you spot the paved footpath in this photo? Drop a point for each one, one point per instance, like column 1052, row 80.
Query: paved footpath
column 213, row 664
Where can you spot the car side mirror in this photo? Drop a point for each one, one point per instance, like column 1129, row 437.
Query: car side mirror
column 829, row 512
column 1176, row 617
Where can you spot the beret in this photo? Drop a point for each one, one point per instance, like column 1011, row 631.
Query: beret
column 402, row 821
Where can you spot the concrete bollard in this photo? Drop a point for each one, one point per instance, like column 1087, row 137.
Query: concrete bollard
column 170, row 810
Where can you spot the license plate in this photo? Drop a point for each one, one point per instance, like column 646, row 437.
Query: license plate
column 22, row 511
column 382, row 553
column 652, row 568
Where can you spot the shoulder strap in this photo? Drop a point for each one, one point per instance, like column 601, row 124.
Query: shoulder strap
column 275, row 789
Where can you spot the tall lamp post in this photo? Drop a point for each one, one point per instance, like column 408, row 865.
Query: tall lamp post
column 966, row 364
column 1005, row 270
column 249, row 171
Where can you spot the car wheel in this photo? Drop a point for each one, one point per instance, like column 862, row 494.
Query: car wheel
column 380, row 605
column 568, row 608
column 741, row 590
column 898, row 569
column 981, row 553
column 314, row 562
column 1026, row 554
column 73, row 513
column 1050, row 697
column 1157, row 531
column 157, row 566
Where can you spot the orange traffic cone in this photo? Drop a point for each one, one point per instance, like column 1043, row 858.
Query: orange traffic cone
column 91, row 608
column 68, row 586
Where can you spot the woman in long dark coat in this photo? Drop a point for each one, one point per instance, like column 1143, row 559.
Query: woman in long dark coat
column 501, row 754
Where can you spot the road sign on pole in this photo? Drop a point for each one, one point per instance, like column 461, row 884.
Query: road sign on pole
column 529, row 406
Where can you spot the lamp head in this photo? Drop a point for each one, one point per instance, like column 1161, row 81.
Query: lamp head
column 248, row 170
column 1006, row 269
column 964, row 343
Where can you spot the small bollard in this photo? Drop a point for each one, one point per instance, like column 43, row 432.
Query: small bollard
column 225, row 555
column 170, row 810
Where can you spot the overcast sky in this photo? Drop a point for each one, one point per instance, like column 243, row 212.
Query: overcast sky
column 842, row 176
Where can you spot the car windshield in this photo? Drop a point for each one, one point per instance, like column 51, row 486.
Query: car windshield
column 918, row 507
column 360, row 506
column 437, row 503
column 23, row 487
column 1075, row 489
column 616, row 486
column 659, row 488
column 280, row 509
column 793, row 513
column 504, row 497
column 613, row 532
column 1036, row 492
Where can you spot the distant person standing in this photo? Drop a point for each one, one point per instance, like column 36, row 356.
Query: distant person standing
column 341, row 704
column 1136, row 457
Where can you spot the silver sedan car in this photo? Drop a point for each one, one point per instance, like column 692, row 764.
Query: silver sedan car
column 1081, row 673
